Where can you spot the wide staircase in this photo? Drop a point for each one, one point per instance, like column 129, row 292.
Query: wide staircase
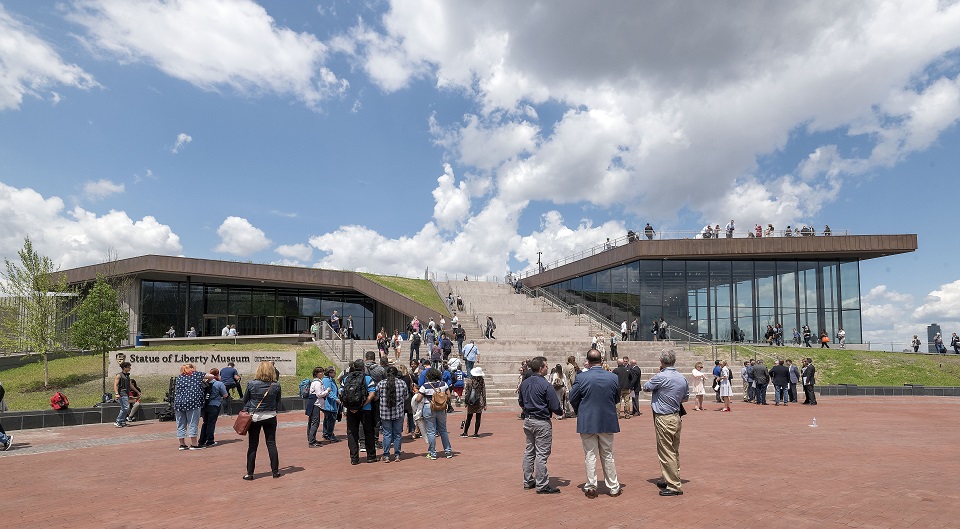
column 528, row 327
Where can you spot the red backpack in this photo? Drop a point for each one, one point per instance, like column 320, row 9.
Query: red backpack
column 59, row 401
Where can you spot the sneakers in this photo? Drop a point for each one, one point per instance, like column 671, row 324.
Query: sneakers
column 119, row 424
column 210, row 444
column 396, row 458
column 475, row 436
column 195, row 447
column 385, row 458
column 8, row 444
column 449, row 455
column 183, row 447
column 363, row 449
column 431, row 456
column 464, row 435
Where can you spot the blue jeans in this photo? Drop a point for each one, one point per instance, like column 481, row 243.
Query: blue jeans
column 329, row 421
column 392, row 434
column 780, row 393
column 210, row 415
column 436, row 424
column 187, row 418
column 124, row 401
column 470, row 367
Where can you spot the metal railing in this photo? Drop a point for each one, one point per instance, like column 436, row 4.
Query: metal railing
column 593, row 317
column 335, row 343
column 692, row 340
column 663, row 235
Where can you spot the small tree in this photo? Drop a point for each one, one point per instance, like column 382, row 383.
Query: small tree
column 38, row 295
column 101, row 323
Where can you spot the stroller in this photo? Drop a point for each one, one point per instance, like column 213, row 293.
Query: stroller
column 165, row 413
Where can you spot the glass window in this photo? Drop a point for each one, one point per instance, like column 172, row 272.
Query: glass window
column 216, row 300
column 831, row 285
column 765, row 273
column 850, row 286
column 239, row 301
column 850, row 321
column 787, row 278
column 651, row 283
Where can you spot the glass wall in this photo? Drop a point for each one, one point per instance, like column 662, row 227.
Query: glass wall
column 254, row 311
column 725, row 300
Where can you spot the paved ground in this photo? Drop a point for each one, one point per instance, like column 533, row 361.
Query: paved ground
column 870, row 462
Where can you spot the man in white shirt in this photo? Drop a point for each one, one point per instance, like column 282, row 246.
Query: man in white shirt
column 730, row 227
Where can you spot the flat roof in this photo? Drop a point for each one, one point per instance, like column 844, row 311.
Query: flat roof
column 820, row 248
column 170, row 268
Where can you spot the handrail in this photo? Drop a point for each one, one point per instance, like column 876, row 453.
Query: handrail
column 574, row 310
column 660, row 235
column 335, row 342
column 691, row 338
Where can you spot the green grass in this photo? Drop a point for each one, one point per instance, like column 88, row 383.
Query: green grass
column 80, row 377
column 418, row 290
column 869, row 368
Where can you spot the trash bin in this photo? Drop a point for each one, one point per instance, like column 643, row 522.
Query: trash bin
column 137, row 340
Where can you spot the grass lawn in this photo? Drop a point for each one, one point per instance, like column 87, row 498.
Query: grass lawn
column 80, row 377
column 869, row 368
column 418, row 290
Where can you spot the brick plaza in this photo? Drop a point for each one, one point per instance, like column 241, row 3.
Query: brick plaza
column 870, row 462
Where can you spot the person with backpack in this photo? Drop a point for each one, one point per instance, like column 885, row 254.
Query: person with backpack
column 458, row 376
column 470, row 355
column 392, row 396
column 446, row 345
column 475, row 396
column 357, row 394
column 313, row 405
column 435, row 397
column 560, row 386
column 377, row 372
column 214, row 392
column 261, row 400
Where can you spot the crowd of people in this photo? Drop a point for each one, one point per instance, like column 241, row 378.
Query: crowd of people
column 728, row 231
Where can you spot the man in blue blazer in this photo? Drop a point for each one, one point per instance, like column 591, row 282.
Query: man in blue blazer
column 594, row 398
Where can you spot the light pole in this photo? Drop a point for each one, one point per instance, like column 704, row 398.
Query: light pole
column 539, row 264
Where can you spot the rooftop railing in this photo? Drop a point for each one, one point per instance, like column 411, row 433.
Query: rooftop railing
column 707, row 237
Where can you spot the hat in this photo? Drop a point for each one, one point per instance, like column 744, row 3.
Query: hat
column 476, row 372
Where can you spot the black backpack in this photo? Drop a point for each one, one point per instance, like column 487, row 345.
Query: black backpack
column 473, row 396
column 415, row 341
column 354, row 392
column 207, row 391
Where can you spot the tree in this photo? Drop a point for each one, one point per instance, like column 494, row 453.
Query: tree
column 38, row 301
column 101, row 323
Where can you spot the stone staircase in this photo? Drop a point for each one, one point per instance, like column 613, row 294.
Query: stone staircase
column 528, row 327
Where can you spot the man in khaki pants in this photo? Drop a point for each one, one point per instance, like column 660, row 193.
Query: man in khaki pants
column 670, row 389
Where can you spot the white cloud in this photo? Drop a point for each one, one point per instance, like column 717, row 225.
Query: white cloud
column 77, row 237
column 643, row 121
column 182, row 139
column 239, row 237
column 891, row 317
column 451, row 202
column 28, row 64
column 212, row 44
column 101, row 189
column 295, row 252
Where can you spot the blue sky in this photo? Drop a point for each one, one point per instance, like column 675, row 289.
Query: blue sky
column 467, row 136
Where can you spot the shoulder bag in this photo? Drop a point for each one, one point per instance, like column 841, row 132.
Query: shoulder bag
column 244, row 418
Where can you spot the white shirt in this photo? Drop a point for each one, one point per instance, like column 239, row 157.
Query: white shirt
column 225, row 331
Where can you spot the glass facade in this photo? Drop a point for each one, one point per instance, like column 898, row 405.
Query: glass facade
column 254, row 310
column 718, row 299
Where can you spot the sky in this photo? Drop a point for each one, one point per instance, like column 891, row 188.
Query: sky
column 466, row 136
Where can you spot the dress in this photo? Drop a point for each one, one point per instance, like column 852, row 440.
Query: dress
column 697, row 381
column 725, row 382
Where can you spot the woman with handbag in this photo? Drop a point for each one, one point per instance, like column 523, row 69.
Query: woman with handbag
column 476, row 385
column 260, row 400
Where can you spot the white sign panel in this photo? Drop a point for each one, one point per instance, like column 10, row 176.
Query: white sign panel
column 168, row 363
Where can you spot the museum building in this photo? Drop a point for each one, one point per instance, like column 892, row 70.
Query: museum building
column 259, row 299
column 727, row 289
